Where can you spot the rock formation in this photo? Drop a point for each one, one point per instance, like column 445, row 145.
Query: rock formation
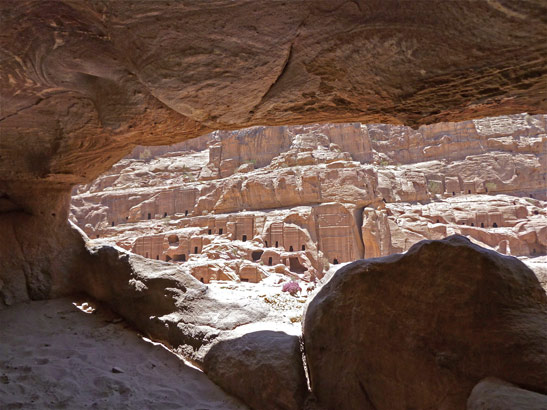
column 82, row 83
column 420, row 330
column 240, row 205
column 495, row 394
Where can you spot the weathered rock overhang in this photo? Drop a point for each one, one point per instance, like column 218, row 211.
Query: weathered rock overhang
column 84, row 82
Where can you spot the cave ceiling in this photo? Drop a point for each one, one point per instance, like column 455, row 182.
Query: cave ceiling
column 82, row 82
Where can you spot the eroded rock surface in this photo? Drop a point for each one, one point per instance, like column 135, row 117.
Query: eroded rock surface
column 82, row 83
column 495, row 394
column 244, row 205
column 419, row 330
column 263, row 367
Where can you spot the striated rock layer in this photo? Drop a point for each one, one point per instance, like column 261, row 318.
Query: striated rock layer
column 81, row 83
column 295, row 199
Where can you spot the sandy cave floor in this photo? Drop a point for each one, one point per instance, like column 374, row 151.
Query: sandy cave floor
column 53, row 355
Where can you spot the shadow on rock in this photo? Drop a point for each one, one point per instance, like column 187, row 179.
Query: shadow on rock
column 263, row 368
column 419, row 330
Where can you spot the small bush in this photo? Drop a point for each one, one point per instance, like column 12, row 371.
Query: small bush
column 292, row 287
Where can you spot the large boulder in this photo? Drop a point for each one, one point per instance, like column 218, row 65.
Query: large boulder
column 419, row 330
column 495, row 394
column 261, row 366
column 162, row 300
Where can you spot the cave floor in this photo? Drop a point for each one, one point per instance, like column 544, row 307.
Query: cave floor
column 55, row 355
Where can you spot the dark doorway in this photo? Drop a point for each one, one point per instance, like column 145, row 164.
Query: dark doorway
column 335, row 261
column 291, row 249
column 112, row 223
column 210, row 231
column 149, row 215
column 276, row 244
column 495, row 225
column 270, row 261
column 186, row 213
column 220, row 231
column 165, row 214
column 157, row 257
column 201, row 280
column 296, row 266
column 303, row 247
column 244, row 238
column 180, row 258
column 195, row 249
column 482, row 224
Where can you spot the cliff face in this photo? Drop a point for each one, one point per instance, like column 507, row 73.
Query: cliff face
column 294, row 199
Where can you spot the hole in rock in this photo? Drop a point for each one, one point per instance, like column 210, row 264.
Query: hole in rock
column 495, row 225
column 179, row 257
column 335, row 261
column 295, row 266
column 256, row 255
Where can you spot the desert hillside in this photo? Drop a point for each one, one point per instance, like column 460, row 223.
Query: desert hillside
column 294, row 200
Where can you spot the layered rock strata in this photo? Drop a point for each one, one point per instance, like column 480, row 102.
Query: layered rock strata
column 83, row 83
column 295, row 199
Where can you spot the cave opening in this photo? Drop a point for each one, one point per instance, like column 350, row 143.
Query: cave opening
column 295, row 265
column 256, row 255
column 100, row 77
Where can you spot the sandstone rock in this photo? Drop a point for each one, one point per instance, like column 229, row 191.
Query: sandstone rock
column 139, row 204
column 97, row 83
column 495, row 394
column 420, row 330
column 162, row 300
column 263, row 367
